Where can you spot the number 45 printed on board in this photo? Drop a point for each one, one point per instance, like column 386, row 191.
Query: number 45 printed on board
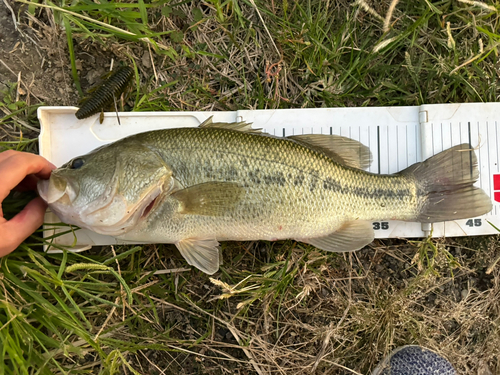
column 384, row 225
column 474, row 223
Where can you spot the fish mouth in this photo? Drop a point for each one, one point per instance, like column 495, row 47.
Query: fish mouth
column 43, row 187
column 56, row 189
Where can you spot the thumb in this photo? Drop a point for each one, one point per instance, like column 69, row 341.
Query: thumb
column 21, row 226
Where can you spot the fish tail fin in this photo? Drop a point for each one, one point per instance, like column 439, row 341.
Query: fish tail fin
column 445, row 182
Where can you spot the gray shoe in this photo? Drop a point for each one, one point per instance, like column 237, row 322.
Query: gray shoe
column 414, row 360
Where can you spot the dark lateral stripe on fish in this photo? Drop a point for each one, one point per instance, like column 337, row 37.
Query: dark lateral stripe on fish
column 256, row 177
column 368, row 192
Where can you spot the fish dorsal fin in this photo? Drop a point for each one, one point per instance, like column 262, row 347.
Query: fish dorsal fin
column 203, row 254
column 241, row 126
column 351, row 236
column 209, row 198
column 342, row 150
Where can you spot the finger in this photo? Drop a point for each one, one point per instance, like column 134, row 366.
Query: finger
column 15, row 168
column 7, row 154
column 21, row 226
column 29, row 183
column 35, row 160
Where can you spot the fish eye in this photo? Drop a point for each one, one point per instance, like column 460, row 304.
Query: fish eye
column 77, row 163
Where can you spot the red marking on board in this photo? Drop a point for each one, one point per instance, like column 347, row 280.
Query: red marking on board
column 496, row 187
column 496, row 182
column 497, row 196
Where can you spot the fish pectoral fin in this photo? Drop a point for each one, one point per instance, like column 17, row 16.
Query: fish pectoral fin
column 241, row 126
column 209, row 198
column 351, row 236
column 203, row 254
column 342, row 150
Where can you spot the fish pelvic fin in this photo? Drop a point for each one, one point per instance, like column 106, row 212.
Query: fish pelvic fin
column 241, row 126
column 202, row 254
column 351, row 236
column 445, row 182
column 342, row 150
column 209, row 198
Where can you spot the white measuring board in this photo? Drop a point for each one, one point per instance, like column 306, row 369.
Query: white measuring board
column 397, row 137
column 443, row 126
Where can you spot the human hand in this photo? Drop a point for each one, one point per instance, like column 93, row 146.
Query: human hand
column 21, row 171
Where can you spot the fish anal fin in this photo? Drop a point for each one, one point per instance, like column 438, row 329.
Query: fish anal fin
column 342, row 150
column 351, row 236
column 200, row 253
column 241, row 126
column 209, row 198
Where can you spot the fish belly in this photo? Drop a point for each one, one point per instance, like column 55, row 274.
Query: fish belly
column 278, row 212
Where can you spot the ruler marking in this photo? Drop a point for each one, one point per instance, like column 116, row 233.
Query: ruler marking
column 370, row 147
column 432, row 141
column 496, row 149
column 388, row 150
column 480, row 165
column 378, row 147
column 470, row 142
column 496, row 138
column 406, row 146
column 397, row 148
column 451, row 133
column 359, row 139
column 416, row 146
column 460, row 132
column 442, row 138
column 490, row 180
column 470, row 146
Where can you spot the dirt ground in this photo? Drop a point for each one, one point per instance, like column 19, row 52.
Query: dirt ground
column 36, row 57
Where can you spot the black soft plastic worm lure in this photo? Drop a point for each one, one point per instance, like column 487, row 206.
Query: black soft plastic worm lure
column 104, row 94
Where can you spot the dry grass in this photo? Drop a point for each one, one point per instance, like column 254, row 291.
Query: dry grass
column 275, row 308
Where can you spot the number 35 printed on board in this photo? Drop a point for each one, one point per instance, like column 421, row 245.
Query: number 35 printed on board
column 380, row 225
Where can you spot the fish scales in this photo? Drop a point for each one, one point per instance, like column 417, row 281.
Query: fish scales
column 196, row 186
column 290, row 189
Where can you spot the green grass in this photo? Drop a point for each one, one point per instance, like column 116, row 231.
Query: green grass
column 274, row 307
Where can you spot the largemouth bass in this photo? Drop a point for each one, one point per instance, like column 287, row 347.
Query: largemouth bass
column 195, row 187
